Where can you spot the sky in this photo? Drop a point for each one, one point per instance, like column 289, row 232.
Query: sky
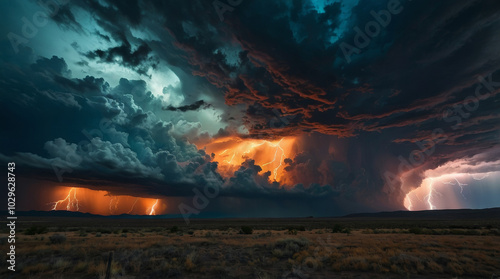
column 251, row 108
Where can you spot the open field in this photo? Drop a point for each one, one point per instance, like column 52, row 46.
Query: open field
column 357, row 247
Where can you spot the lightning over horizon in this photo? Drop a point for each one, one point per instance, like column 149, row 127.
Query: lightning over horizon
column 71, row 201
column 431, row 193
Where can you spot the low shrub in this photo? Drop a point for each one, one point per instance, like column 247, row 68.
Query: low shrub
column 36, row 230
column 246, row 230
column 416, row 230
column 337, row 228
column 174, row 229
column 290, row 246
column 297, row 228
column 57, row 238
column 346, row 231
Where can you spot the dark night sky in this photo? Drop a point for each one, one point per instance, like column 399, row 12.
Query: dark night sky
column 134, row 96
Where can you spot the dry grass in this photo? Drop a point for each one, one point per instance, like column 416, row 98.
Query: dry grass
column 264, row 254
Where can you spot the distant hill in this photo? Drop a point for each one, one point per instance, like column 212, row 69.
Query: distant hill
column 445, row 214
column 65, row 213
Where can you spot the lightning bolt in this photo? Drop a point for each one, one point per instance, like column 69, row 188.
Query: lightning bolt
column 281, row 160
column 278, row 147
column 479, row 176
column 113, row 207
column 71, row 199
column 410, row 205
column 152, row 209
column 232, row 158
column 253, row 145
column 229, row 162
column 461, row 185
column 429, row 195
column 133, row 206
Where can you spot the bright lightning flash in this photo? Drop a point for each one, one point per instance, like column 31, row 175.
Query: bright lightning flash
column 278, row 147
column 72, row 201
column 432, row 191
column 152, row 210
column 429, row 186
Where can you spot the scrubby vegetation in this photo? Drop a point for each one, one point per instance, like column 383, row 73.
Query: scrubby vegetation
column 174, row 229
column 57, row 238
column 246, row 230
column 317, row 249
column 36, row 230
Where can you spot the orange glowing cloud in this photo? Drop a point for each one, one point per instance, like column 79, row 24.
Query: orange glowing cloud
column 231, row 152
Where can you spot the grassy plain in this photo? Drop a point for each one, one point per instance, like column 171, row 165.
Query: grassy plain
column 364, row 247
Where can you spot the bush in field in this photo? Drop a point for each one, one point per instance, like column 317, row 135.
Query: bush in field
column 416, row 230
column 174, row 229
column 297, row 228
column 105, row 231
column 290, row 246
column 278, row 253
column 36, row 230
column 494, row 232
column 337, row 228
column 346, row 230
column 246, row 230
column 57, row 238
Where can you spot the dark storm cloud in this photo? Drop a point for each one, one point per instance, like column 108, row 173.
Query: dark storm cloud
column 194, row 106
column 137, row 59
column 426, row 61
column 310, row 78
column 65, row 18
column 130, row 11
column 54, row 66
column 124, row 149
